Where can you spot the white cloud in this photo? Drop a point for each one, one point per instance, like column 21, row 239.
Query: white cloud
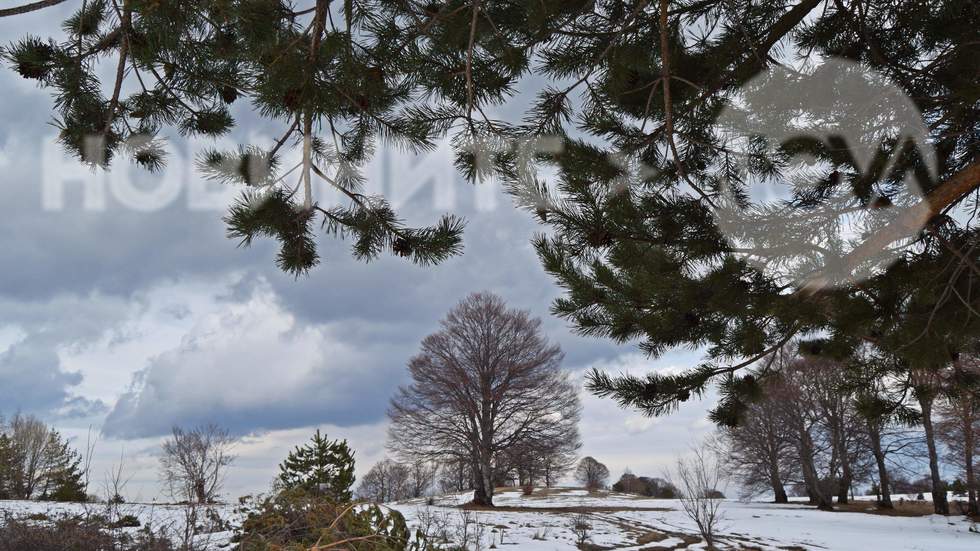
column 250, row 365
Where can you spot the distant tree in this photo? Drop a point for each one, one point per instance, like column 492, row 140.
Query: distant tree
column 882, row 401
column 539, row 462
column 421, row 477
column 30, row 438
column 834, row 395
column 194, row 462
column 387, row 481
column 958, row 429
column 36, row 462
column 558, row 459
column 800, row 416
column 654, row 487
column 487, row 382
column 628, row 483
column 926, row 387
column 902, row 485
column 592, row 474
column 322, row 467
column 455, row 475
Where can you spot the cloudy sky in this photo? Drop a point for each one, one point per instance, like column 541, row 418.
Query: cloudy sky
column 124, row 309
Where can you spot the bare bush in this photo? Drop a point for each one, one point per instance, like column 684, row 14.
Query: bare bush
column 75, row 533
column 582, row 528
column 700, row 478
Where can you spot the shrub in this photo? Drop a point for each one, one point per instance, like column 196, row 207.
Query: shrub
column 296, row 520
column 74, row 533
column 127, row 521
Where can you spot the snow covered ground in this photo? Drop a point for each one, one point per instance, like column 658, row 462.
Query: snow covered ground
column 624, row 522
column 545, row 522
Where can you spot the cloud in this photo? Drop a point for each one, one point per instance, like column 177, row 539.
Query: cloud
column 253, row 367
column 629, row 439
column 35, row 378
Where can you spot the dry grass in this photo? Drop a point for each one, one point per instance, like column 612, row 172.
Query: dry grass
column 902, row 509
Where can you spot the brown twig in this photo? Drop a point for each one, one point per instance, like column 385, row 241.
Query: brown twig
column 27, row 8
column 469, row 62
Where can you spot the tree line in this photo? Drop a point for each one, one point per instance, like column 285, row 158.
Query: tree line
column 819, row 429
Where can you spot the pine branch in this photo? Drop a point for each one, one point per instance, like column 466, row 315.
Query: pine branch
column 469, row 62
column 120, row 67
column 910, row 220
column 668, row 105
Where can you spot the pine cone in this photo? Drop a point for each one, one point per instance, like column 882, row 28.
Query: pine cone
column 291, row 99
column 599, row 237
column 229, row 94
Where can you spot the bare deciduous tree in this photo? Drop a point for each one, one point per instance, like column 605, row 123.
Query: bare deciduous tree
column 799, row 415
column 486, row 382
column 592, row 474
column 194, row 462
column 534, row 463
column 700, row 478
column 30, row 438
column 958, row 428
column 422, row 475
column 386, row 481
column 760, row 451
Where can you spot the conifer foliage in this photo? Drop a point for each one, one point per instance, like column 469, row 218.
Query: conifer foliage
column 320, row 467
column 335, row 77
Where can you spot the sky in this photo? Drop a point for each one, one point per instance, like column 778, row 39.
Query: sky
column 125, row 310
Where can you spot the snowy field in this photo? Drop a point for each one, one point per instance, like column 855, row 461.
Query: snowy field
column 546, row 522
column 624, row 522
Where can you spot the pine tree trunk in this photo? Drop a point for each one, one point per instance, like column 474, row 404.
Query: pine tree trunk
column 939, row 501
column 884, row 483
column 847, row 477
column 971, row 478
